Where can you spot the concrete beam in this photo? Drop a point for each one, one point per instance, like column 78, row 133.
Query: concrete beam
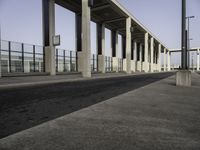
column 100, row 7
column 48, row 9
column 115, row 20
column 128, row 45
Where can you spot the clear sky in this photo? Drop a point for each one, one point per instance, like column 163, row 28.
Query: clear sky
column 21, row 20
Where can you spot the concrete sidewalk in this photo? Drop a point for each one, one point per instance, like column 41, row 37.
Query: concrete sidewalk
column 21, row 81
column 157, row 116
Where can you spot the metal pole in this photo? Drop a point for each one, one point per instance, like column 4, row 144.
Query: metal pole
column 23, row 57
column 9, row 56
column 64, row 61
column 56, row 60
column 34, row 58
column 188, row 36
column 186, row 51
column 183, row 44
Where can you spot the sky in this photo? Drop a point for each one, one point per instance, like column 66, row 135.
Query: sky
column 21, row 21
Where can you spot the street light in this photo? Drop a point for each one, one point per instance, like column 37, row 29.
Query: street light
column 188, row 37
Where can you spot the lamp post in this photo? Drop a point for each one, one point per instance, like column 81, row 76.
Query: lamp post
column 183, row 77
column 188, row 37
column 183, row 40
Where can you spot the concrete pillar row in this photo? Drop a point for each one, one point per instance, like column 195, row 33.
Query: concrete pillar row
column 128, row 45
column 48, row 10
column 164, row 55
column 168, row 61
column 115, row 48
column 152, row 55
column 159, row 58
column 101, row 47
column 197, row 59
column 146, row 53
column 84, row 56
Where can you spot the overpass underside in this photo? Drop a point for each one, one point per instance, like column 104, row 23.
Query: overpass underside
column 141, row 50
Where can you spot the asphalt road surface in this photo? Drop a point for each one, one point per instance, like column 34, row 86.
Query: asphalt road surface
column 22, row 108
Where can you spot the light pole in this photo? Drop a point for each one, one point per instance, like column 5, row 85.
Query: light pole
column 188, row 37
column 183, row 40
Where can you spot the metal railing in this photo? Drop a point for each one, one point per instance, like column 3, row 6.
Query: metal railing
column 21, row 58
column 66, row 61
column 94, row 63
column 120, row 64
column 108, row 64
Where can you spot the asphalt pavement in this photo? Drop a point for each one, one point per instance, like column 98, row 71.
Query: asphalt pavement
column 158, row 116
column 24, row 107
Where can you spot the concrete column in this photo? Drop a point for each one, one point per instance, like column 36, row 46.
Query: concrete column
column 164, row 55
column 101, row 47
column 85, row 55
column 197, row 59
column 146, row 52
column 48, row 34
column 159, row 57
column 140, row 61
column 152, row 55
column 115, row 47
column 134, row 61
column 168, row 61
column 128, row 45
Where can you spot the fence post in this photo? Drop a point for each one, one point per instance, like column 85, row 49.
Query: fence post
column 97, row 63
column 22, row 57
column 9, row 56
column 64, row 60
column 56, row 60
column 70, row 61
column 33, row 58
column 93, row 63
column 44, row 59
column 76, row 61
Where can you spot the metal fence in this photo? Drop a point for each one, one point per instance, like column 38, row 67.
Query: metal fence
column 108, row 64
column 120, row 64
column 94, row 63
column 21, row 58
column 66, row 61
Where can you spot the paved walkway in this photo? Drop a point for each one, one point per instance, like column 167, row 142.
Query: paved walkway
column 157, row 116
